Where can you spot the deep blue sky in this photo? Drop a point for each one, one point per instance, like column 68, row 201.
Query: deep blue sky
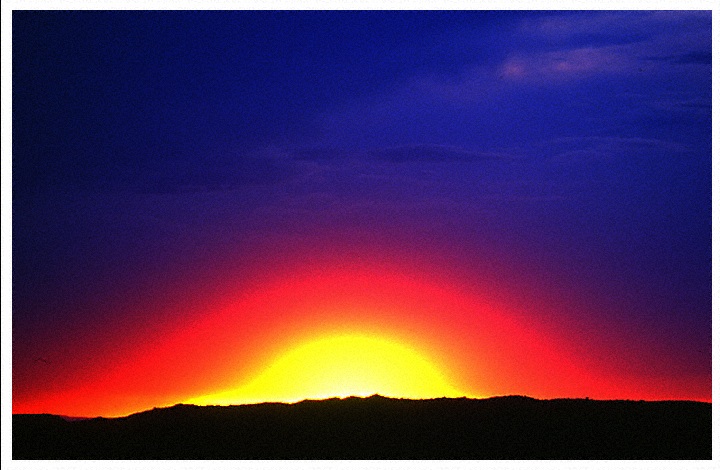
column 569, row 151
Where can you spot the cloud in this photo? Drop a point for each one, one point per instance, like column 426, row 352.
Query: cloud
column 695, row 57
column 571, row 29
column 607, row 71
column 596, row 149
column 582, row 156
column 531, row 70
column 484, row 83
column 680, row 105
column 556, row 49
column 560, row 66
column 397, row 154
column 317, row 154
column 430, row 153
column 584, row 27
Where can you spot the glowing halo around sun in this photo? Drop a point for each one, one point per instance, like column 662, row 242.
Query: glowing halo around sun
column 341, row 366
column 328, row 331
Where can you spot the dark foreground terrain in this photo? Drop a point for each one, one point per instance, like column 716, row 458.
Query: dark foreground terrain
column 381, row 428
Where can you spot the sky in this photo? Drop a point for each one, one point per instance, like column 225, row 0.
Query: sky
column 523, row 197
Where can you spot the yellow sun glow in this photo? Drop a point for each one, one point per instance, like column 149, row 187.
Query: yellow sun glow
column 341, row 366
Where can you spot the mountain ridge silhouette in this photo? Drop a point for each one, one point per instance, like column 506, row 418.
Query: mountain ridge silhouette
column 377, row 427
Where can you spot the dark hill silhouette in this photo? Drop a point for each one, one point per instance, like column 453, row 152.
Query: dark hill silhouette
column 381, row 428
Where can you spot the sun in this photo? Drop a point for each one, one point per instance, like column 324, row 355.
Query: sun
column 341, row 366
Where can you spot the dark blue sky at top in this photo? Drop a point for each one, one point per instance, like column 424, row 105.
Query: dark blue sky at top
column 121, row 89
column 150, row 146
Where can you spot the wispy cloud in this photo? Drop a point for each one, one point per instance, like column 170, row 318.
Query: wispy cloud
column 557, row 49
column 695, row 57
column 611, row 27
column 560, row 66
column 432, row 153
column 562, row 73
column 598, row 149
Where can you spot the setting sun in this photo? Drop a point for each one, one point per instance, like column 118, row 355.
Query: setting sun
column 341, row 366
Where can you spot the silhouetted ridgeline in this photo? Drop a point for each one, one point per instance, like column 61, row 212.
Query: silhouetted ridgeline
column 381, row 428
